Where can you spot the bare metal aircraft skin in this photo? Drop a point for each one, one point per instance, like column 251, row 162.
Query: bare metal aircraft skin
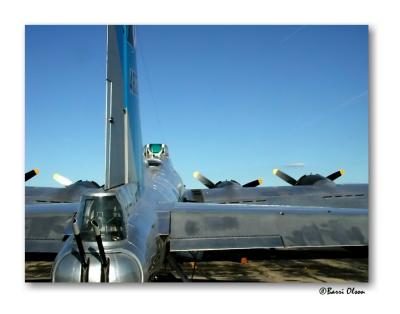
column 69, row 194
column 142, row 218
column 323, row 193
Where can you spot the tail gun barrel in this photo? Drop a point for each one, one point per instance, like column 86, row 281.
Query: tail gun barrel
column 105, row 262
column 78, row 240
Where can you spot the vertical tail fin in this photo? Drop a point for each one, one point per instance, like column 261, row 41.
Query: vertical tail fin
column 124, row 158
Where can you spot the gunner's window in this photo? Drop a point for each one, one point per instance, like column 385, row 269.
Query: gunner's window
column 155, row 148
column 156, row 151
column 107, row 212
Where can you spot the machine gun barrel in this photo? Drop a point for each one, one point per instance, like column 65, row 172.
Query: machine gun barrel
column 78, row 240
column 99, row 242
column 105, row 262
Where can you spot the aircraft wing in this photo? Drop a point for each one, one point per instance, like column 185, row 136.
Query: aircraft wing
column 203, row 227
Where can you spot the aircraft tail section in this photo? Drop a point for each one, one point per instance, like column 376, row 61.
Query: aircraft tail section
column 124, row 156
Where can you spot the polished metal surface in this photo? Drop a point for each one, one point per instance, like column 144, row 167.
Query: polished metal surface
column 296, row 226
column 124, row 267
column 326, row 195
column 47, row 226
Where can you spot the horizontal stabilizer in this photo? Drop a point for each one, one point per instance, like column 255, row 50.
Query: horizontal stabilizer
column 200, row 227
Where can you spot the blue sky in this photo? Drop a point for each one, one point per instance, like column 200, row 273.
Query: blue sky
column 231, row 101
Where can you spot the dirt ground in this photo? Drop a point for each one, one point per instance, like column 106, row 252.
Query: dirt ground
column 340, row 269
column 301, row 271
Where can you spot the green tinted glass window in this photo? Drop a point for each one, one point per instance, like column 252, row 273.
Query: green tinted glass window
column 155, row 148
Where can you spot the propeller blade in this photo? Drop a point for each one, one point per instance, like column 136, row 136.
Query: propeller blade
column 253, row 184
column 30, row 174
column 335, row 175
column 208, row 183
column 284, row 176
column 62, row 180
